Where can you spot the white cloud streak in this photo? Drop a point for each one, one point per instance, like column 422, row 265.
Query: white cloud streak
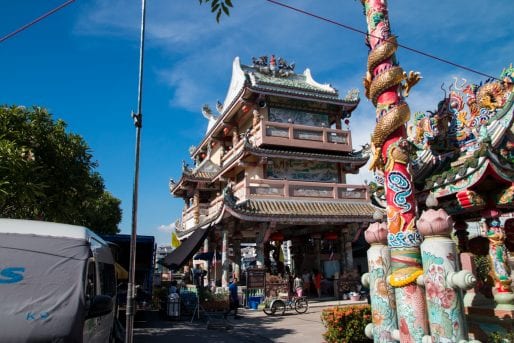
column 167, row 228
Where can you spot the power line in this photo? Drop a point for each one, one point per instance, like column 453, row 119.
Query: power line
column 38, row 19
column 351, row 28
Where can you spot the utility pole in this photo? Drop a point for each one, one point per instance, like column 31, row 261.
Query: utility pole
column 138, row 122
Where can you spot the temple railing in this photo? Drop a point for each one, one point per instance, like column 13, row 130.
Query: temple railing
column 304, row 136
column 230, row 153
column 206, row 210
column 266, row 188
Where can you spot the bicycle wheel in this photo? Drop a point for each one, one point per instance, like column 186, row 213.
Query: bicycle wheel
column 301, row 305
column 269, row 310
column 278, row 307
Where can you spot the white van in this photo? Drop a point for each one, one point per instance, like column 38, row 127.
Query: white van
column 57, row 283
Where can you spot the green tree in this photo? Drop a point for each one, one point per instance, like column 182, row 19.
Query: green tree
column 219, row 7
column 48, row 174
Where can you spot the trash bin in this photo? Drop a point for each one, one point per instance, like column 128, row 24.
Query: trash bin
column 173, row 306
column 253, row 302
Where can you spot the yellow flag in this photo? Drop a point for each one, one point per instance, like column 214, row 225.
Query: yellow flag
column 175, row 242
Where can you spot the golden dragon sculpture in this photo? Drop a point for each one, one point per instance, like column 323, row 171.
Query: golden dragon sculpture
column 396, row 115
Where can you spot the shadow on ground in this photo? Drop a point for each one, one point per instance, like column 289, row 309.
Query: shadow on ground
column 153, row 327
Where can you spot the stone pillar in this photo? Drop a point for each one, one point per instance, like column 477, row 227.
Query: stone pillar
column 260, row 231
column 317, row 241
column 196, row 204
column 297, row 255
column 224, row 259
column 236, row 246
column 235, row 137
column 383, row 305
column 348, row 250
column 441, row 278
column 342, row 249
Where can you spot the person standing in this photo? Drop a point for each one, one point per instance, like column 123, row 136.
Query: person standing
column 233, row 299
column 198, row 274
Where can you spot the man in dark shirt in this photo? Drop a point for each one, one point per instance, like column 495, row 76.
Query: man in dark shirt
column 198, row 275
column 233, row 298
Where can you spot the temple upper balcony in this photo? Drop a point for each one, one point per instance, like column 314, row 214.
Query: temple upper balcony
column 290, row 134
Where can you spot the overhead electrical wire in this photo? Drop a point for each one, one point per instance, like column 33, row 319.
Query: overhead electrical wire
column 38, row 19
column 348, row 27
column 278, row 3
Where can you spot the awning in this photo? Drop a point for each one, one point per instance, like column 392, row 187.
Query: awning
column 179, row 257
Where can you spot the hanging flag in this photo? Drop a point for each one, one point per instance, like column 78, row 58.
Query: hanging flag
column 175, row 241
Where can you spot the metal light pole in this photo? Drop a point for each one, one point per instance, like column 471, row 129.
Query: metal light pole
column 138, row 122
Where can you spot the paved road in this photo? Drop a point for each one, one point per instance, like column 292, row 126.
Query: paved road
column 254, row 326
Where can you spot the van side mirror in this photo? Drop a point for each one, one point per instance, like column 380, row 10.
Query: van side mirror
column 100, row 305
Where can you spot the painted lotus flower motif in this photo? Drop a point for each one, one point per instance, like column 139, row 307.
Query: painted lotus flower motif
column 448, row 297
column 434, row 222
column 376, row 233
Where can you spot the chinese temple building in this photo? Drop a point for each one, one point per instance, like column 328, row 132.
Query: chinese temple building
column 272, row 168
column 465, row 160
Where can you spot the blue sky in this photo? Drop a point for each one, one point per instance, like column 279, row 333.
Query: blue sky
column 82, row 64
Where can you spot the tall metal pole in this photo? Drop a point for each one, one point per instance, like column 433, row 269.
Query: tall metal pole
column 138, row 122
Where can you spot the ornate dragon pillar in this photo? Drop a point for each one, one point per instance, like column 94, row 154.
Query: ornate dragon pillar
column 386, row 85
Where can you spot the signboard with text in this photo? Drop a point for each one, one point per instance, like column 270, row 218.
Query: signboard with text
column 256, row 278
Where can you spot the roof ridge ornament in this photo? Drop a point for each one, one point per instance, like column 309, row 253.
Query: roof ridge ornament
column 275, row 67
column 326, row 87
column 207, row 113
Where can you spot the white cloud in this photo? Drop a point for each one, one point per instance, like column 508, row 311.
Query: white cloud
column 167, row 228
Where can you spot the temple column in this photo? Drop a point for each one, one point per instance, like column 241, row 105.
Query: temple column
column 224, row 260
column 348, row 252
column 342, row 249
column 236, row 246
column 259, row 244
column 235, row 137
column 441, row 278
column 384, row 325
column 297, row 255
column 196, row 205
column 317, row 242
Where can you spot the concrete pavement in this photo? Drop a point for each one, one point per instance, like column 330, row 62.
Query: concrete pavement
column 254, row 326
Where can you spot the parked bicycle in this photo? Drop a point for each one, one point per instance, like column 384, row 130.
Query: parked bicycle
column 279, row 306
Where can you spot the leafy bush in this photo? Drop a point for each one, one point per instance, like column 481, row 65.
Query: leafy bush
column 497, row 337
column 346, row 324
